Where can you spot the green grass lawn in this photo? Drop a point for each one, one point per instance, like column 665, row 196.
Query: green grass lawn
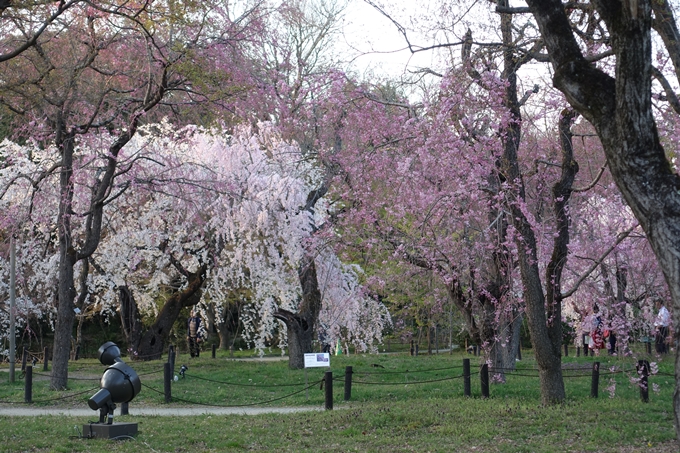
column 399, row 403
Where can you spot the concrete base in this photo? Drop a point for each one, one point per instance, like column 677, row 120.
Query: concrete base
column 114, row 430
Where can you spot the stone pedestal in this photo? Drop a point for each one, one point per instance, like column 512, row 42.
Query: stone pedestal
column 114, row 430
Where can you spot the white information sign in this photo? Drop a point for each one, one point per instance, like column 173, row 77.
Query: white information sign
column 317, row 359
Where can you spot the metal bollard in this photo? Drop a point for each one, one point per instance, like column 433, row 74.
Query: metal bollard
column 125, row 408
column 24, row 357
column 328, row 389
column 595, row 381
column 348, row 383
column 46, row 359
column 214, row 348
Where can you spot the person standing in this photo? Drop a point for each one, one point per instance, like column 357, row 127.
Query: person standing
column 596, row 337
column 194, row 336
column 661, row 323
column 612, row 342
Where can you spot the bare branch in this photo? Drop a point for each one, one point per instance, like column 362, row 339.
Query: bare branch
column 671, row 97
column 509, row 10
column 597, row 262
column 592, row 184
column 63, row 6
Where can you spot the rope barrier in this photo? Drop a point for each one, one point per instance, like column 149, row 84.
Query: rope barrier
column 235, row 405
column 70, row 377
column 408, row 382
column 35, row 373
column 663, row 374
column 240, row 385
column 52, row 399
column 369, row 373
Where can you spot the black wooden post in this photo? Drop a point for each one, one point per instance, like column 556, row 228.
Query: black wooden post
column 578, row 351
column 595, row 381
column 125, row 408
column 566, row 350
column 484, row 375
column 417, row 348
column 466, row 377
column 413, row 349
column 643, row 372
column 46, row 358
column 28, row 384
column 24, row 357
column 348, row 383
column 167, row 379
column 328, row 389
column 76, row 355
column 214, row 348
column 171, row 358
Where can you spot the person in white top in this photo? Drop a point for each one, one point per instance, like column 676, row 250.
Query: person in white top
column 663, row 320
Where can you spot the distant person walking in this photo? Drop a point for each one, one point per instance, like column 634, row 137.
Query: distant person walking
column 661, row 323
column 194, row 334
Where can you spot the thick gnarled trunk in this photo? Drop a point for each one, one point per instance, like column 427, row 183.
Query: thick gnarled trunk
column 153, row 342
column 130, row 320
column 300, row 325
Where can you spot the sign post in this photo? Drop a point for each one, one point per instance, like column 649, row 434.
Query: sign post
column 313, row 360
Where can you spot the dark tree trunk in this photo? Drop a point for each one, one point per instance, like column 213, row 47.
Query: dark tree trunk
column 153, row 342
column 487, row 330
column 300, row 325
column 130, row 320
column 620, row 109
column 63, row 330
column 503, row 353
column 224, row 323
column 543, row 312
column 223, row 335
